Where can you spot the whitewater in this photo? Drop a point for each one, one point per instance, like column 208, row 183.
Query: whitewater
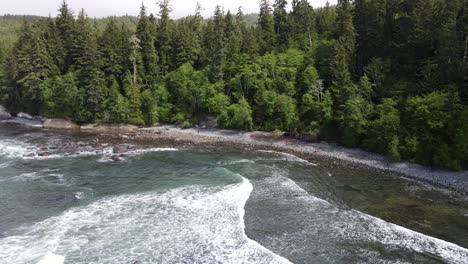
column 160, row 203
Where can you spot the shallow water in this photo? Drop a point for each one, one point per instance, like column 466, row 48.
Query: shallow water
column 163, row 204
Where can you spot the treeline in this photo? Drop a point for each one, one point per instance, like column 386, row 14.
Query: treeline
column 389, row 76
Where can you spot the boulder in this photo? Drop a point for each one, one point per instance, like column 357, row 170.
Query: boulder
column 25, row 116
column 3, row 113
column 120, row 149
column 25, row 122
column 209, row 122
column 109, row 128
column 60, row 124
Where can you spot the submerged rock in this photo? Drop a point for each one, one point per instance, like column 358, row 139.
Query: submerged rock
column 118, row 158
column 60, row 124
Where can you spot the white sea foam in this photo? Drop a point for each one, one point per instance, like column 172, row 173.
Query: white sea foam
column 51, row 258
column 22, row 121
column 79, row 195
column 187, row 225
column 5, row 164
column 325, row 222
column 236, row 162
column 289, row 157
column 149, row 150
column 31, row 176
column 14, row 149
column 109, row 156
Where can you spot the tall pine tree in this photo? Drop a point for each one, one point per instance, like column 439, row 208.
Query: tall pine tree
column 266, row 27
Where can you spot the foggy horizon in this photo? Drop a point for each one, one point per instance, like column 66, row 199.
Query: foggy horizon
column 106, row 8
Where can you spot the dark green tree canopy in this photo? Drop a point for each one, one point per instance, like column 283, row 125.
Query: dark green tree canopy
column 389, row 76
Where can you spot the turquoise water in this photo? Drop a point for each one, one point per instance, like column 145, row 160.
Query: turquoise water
column 165, row 204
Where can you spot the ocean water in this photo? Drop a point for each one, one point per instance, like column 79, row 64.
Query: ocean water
column 160, row 203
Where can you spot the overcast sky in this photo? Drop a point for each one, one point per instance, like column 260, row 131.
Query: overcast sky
column 102, row 8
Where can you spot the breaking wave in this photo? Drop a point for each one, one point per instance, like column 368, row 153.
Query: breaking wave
column 187, row 225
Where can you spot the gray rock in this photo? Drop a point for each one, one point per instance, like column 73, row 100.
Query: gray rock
column 209, row 122
column 120, row 149
column 24, row 122
column 109, row 128
column 60, row 124
column 25, row 116
column 3, row 113
column 118, row 158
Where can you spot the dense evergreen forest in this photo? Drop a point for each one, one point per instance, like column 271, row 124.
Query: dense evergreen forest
column 389, row 76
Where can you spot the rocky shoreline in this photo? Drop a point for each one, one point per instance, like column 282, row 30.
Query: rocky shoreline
column 457, row 181
column 204, row 137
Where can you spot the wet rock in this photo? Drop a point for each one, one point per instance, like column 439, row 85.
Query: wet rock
column 25, row 116
column 60, row 124
column 24, row 122
column 3, row 113
column 64, row 197
column 209, row 122
column 109, row 128
column 44, row 154
column 120, row 149
column 39, row 118
column 117, row 158
column 29, row 155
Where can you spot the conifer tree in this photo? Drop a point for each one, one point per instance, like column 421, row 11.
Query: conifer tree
column 303, row 23
column 343, row 60
column 145, row 33
column 218, row 51
column 133, row 95
column 55, row 45
column 109, row 48
column 187, row 40
column 163, row 41
column 34, row 66
column 248, row 39
column 92, row 79
column 266, row 27
column 281, row 23
column 65, row 23
column 325, row 19
column 232, row 33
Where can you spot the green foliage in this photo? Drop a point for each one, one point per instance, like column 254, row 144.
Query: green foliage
column 426, row 116
column 240, row 116
column 164, row 37
column 149, row 108
column 133, row 95
column 266, row 27
column 388, row 76
column 382, row 135
column 117, row 109
column 280, row 16
column 145, row 33
column 60, row 96
column 354, row 121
